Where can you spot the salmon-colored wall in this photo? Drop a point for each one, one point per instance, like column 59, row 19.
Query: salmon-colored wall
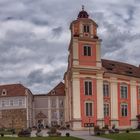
column 124, row 121
column 87, row 60
column 85, row 98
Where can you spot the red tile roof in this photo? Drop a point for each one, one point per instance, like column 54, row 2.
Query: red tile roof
column 120, row 68
column 13, row 90
column 59, row 90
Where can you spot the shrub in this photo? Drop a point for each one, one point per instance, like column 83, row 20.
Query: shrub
column 127, row 131
column 53, row 132
column 24, row 133
column 67, row 134
column 39, row 133
column 2, row 134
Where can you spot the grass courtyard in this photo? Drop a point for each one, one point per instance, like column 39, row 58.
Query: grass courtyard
column 40, row 138
column 123, row 136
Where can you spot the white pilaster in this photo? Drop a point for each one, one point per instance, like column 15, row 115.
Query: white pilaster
column 57, row 106
column 76, row 96
column 100, row 116
column 114, row 101
column 75, row 52
column 91, row 31
column 49, row 110
column 133, row 96
column 81, row 30
column 98, row 54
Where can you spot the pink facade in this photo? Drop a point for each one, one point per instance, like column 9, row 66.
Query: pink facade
column 98, row 91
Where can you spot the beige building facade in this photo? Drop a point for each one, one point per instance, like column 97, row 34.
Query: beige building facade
column 49, row 108
column 15, row 106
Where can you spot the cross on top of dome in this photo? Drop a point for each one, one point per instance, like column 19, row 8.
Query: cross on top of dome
column 83, row 13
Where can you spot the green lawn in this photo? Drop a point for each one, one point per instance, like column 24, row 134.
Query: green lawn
column 40, row 138
column 123, row 136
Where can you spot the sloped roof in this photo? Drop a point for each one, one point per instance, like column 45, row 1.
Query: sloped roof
column 59, row 90
column 12, row 90
column 120, row 68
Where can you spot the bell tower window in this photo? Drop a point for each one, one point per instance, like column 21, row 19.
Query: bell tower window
column 86, row 28
column 87, row 51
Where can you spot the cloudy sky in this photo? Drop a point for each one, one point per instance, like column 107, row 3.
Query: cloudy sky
column 34, row 37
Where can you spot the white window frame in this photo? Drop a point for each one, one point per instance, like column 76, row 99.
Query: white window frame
column 3, row 103
column 106, row 89
column 53, row 103
column 89, row 114
column 124, row 112
column 86, row 28
column 20, row 102
column 88, row 88
column 86, row 48
column 124, row 91
column 16, row 102
column 11, row 102
column 106, row 109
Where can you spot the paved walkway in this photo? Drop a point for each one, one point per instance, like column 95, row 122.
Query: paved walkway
column 79, row 134
column 83, row 135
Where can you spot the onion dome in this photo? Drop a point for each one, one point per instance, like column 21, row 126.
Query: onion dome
column 83, row 13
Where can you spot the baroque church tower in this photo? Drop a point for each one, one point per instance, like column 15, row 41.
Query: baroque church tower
column 83, row 79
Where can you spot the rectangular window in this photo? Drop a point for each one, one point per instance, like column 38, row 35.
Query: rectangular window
column 89, row 109
column 106, row 90
column 106, row 110
column 124, row 110
column 16, row 102
column 124, row 91
column 53, row 103
column 20, row 102
column 3, row 103
column 61, row 114
column 61, row 103
column 53, row 114
column 86, row 28
column 138, row 92
column 88, row 88
column 87, row 51
column 11, row 102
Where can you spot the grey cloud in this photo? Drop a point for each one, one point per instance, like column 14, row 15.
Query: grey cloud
column 35, row 35
column 57, row 31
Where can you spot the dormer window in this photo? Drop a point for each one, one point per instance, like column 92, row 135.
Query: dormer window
column 4, row 92
column 53, row 92
column 86, row 28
